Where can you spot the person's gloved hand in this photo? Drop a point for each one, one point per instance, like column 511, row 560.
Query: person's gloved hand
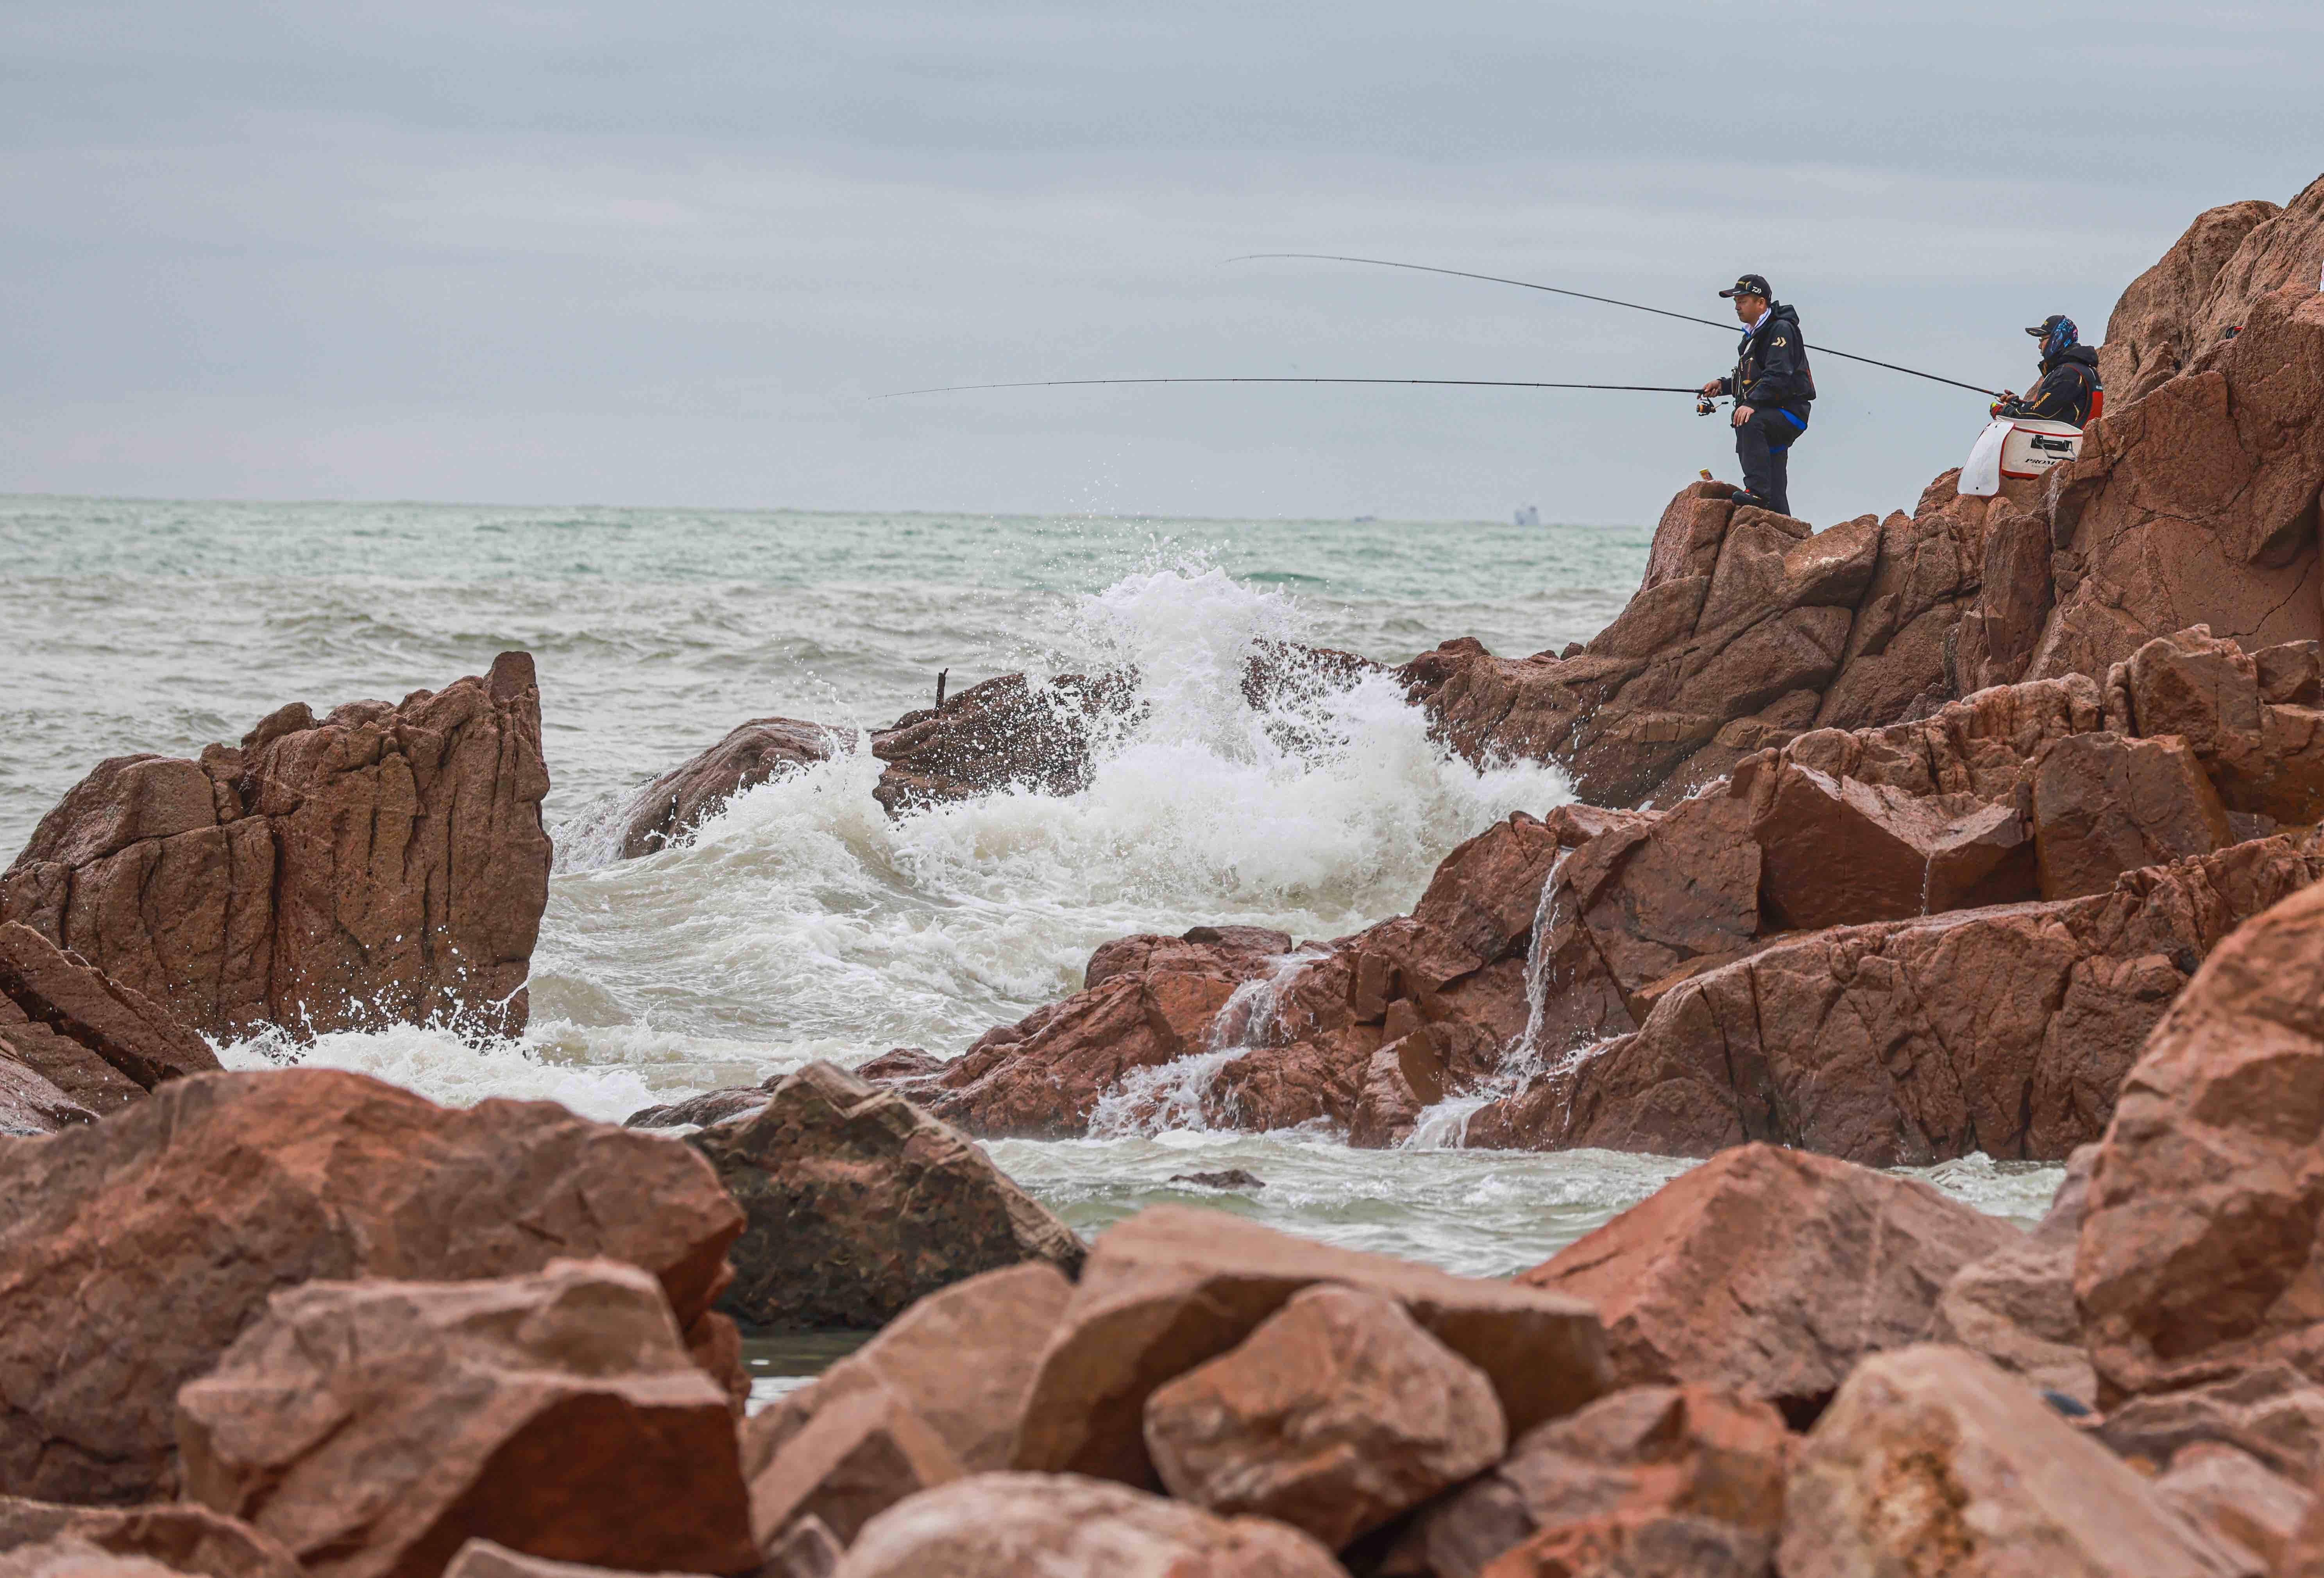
column 2007, row 396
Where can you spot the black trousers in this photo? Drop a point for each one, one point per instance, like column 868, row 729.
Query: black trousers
column 1764, row 445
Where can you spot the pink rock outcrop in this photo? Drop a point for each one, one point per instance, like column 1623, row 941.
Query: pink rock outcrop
column 387, row 863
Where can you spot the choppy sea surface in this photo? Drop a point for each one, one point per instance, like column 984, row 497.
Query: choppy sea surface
column 804, row 922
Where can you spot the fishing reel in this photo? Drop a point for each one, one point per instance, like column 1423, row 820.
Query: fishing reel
column 1706, row 405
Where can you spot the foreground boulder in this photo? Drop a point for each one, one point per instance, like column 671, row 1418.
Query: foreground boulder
column 2016, row 1305
column 183, row 1539
column 1708, row 1467
column 2199, row 1259
column 939, row 1393
column 385, row 863
column 134, row 1251
column 374, row 1427
column 1337, row 1414
column 1175, row 1286
column 98, row 1042
column 1932, row 1460
column 674, row 804
column 858, row 1203
column 1063, row 1526
column 1770, row 1273
column 963, row 1358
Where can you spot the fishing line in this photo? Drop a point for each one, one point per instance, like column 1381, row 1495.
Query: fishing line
column 1610, row 301
column 1434, row 382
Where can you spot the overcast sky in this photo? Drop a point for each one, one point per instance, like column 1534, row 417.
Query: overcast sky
column 625, row 253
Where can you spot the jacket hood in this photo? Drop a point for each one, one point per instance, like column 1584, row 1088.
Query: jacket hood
column 1780, row 313
column 2084, row 354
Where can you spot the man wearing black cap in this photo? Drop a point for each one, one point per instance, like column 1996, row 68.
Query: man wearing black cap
column 1772, row 387
column 2070, row 377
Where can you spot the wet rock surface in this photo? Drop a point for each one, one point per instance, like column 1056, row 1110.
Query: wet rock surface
column 858, row 1203
column 384, row 864
column 671, row 807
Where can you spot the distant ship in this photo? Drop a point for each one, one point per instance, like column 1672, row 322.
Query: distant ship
column 1528, row 515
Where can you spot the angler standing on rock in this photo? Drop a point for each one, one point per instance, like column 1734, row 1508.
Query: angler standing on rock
column 2070, row 377
column 1772, row 387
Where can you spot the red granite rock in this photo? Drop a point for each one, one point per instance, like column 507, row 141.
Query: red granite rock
column 180, row 1537
column 132, row 1251
column 1770, row 1273
column 1639, row 1454
column 2198, row 1251
column 857, row 1203
column 2104, row 805
column 1930, row 1460
column 375, row 1427
column 1063, row 1526
column 386, row 864
column 1335, row 1415
column 1175, row 1287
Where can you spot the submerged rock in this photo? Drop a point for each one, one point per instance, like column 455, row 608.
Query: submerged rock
column 385, row 863
column 373, row 1427
column 859, row 1203
column 1010, row 732
column 135, row 1251
column 685, row 797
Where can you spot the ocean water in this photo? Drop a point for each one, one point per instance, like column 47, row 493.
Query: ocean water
column 804, row 922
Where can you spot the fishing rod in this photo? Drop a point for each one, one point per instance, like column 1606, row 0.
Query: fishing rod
column 1433, row 383
column 1609, row 301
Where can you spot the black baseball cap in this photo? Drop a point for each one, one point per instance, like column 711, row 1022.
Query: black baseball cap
column 1750, row 285
column 2041, row 331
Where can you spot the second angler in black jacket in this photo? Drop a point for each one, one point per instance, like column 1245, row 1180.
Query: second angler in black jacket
column 2069, row 379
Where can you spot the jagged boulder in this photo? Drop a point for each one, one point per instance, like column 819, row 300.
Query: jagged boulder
column 375, row 1426
column 858, row 1203
column 1642, row 1455
column 135, row 1251
column 1147, row 1001
column 1770, row 1273
column 1175, row 1287
column 686, row 796
column 1930, row 1460
column 1334, row 1415
column 2205, row 285
column 98, row 1043
column 2199, row 1259
column 387, row 863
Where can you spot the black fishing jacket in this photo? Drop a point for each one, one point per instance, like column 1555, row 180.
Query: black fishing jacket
column 1771, row 371
column 2069, row 379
